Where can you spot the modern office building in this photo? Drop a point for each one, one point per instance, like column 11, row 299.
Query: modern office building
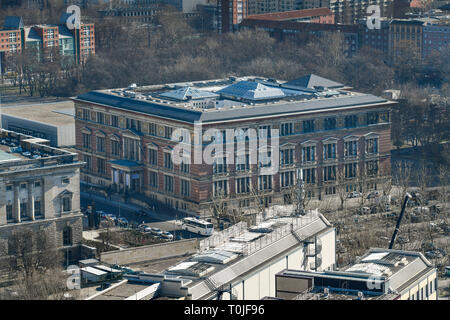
column 239, row 263
column 124, row 136
column 39, row 190
column 380, row 274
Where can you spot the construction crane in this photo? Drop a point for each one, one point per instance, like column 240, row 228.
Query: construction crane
column 397, row 227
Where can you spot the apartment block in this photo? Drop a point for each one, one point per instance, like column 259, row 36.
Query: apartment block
column 76, row 44
column 124, row 136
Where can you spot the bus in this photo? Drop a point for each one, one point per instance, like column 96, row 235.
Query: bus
column 198, row 226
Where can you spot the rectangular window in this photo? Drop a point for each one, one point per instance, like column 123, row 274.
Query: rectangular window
column 88, row 161
column 372, row 118
column 168, row 183
column 67, row 204
column 184, row 166
column 168, row 164
column 265, row 182
column 153, row 179
column 372, row 168
column 37, row 208
column 243, row 162
column 350, row 170
column 329, row 123
column 243, row 185
column 264, row 131
column 309, row 175
column 100, row 144
column 220, row 188
column 220, row 165
column 9, row 212
column 329, row 173
column 308, row 154
column 287, row 157
column 168, row 132
column 287, row 129
column 115, row 121
column 351, row 148
column 185, row 188
column 100, row 118
column 86, row 141
column 308, row 126
column 372, row 145
column 115, row 148
column 23, row 210
column 153, row 157
column 37, row 184
column 265, row 159
column 9, row 188
column 152, row 129
column 351, row 121
column 287, row 179
column 329, row 151
column 86, row 114
column 101, row 166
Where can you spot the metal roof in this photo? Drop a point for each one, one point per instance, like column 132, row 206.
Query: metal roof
column 250, row 90
column 188, row 93
column 13, row 22
column 312, row 80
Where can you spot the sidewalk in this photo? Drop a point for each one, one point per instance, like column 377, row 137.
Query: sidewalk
column 132, row 207
column 93, row 234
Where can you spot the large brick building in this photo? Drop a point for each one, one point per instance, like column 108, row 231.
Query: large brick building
column 124, row 136
column 39, row 190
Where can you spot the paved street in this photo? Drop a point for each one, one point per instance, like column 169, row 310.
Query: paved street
column 128, row 211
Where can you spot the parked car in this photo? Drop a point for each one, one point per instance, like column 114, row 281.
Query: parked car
column 421, row 210
column 141, row 213
column 167, row 235
column 156, row 231
column 373, row 194
column 354, row 194
column 142, row 227
column 123, row 221
column 363, row 210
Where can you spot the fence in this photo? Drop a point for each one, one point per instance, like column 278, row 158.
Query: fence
column 253, row 246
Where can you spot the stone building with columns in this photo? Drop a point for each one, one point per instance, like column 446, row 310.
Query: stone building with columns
column 39, row 190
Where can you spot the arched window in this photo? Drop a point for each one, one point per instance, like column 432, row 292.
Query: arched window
column 67, row 236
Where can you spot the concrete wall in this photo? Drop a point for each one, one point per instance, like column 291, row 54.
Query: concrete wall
column 261, row 283
column 148, row 253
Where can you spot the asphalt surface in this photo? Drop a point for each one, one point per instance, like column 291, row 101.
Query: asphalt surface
column 130, row 214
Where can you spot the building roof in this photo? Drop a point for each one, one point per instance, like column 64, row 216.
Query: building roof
column 401, row 268
column 55, row 113
column 31, row 35
column 292, row 15
column 312, row 80
column 13, row 23
column 250, row 90
column 238, row 99
column 94, row 271
column 188, row 93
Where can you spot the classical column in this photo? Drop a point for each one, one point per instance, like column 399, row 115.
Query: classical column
column 31, row 200
column 16, row 203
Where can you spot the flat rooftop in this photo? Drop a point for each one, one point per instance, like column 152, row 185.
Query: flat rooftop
column 20, row 152
column 233, row 98
column 57, row 114
column 122, row 291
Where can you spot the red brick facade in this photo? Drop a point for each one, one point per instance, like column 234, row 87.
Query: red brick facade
column 201, row 177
